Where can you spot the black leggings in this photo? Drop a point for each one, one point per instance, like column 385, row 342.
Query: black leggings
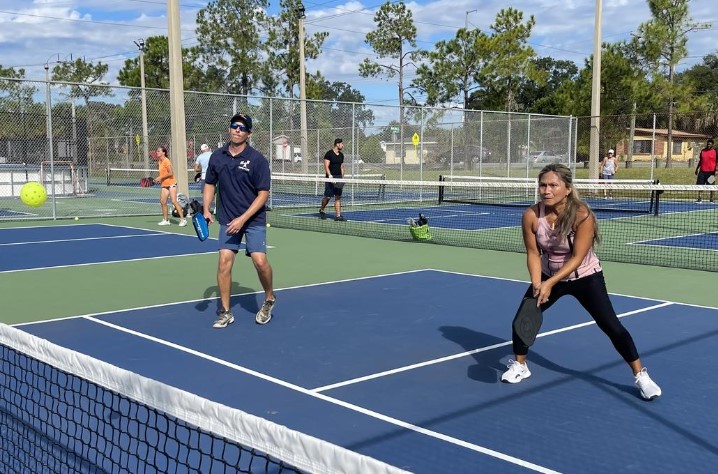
column 591, row 292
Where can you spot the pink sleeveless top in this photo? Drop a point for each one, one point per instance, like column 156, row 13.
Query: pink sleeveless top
column 555, row 253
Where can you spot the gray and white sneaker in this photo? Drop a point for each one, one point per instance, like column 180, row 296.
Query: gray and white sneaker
column 224, row 318
column 516, row 373
column 264, row 315
column 649, row 389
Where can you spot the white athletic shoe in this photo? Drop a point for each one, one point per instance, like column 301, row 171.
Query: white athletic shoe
column 182, row 222
column 649, row 389
column 164, row 222
column 516, row 373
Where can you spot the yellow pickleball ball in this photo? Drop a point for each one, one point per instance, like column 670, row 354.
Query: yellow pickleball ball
column 33, row 194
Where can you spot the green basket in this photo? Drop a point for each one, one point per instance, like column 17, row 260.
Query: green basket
column 420, row 232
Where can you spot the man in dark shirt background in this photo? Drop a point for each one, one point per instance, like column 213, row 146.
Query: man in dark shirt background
column 333, row 168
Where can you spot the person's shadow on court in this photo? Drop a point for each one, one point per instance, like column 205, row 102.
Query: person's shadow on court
column 246, row 298
column 487, row 369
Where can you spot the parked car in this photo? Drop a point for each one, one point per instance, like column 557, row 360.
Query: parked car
column 542, row 158
column 464, row 153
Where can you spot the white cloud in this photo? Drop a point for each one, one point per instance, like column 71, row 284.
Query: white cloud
column 33, row 32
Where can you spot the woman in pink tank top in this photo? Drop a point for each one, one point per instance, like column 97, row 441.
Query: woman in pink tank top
column 559, row 234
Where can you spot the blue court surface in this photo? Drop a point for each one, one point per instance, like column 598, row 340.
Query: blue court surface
column 405, row 368
column 26, row 248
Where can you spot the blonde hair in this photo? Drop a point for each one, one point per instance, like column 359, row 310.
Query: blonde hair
column 567, row 220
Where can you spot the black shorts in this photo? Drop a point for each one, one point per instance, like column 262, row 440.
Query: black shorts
column 703, row 177
column 332, row 190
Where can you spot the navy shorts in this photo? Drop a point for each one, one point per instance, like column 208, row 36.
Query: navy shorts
column 254, row 236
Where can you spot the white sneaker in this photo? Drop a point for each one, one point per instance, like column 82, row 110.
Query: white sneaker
column 163, row 222
column 183, row 222
column 649, row 389
column 516, row 373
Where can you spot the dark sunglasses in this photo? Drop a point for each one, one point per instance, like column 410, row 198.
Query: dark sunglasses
column 238, row 126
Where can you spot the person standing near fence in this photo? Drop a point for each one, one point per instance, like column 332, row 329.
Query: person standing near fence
column 559, row 233
column 609, row 166
column 243, row 179
column 201, row 163
column 200, row 166
column 707, row 167
column 333, row 168
column 166, row 179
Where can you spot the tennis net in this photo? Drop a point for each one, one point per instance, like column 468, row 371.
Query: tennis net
column 65, row 412
column 133, row 176
column 652, row 224
column 601, row 195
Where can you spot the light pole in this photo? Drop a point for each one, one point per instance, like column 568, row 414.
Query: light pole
column 466, row 23
column 595, row 136
column 302, row 93
column 145, row 145
column 48, row 124
column 177, row 115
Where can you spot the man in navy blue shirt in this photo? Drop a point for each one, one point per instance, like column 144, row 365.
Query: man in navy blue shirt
column 240, row 175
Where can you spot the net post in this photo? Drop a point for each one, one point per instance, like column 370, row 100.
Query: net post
column 657, row 193
column 441, row 189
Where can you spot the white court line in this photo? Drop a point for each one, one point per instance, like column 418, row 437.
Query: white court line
column 335, row 401
column 379, row 416
column 80, row 239
column 198, row 300
column 72, row 265
column 471, row 352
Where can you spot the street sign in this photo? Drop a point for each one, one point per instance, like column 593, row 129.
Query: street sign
column 415, row 139
column 394, row 129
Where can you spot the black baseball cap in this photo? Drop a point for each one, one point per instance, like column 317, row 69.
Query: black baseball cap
column 337, row 141
column 244, row 118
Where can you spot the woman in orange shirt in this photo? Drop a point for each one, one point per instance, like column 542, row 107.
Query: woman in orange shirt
column 167, row 180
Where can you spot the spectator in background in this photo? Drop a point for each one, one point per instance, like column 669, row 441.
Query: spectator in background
column 200, row 165
column 706, row 168
column 333, row 168
column 167, row 180
column 609, row 166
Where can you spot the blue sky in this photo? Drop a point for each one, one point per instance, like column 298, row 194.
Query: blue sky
column 35, row 32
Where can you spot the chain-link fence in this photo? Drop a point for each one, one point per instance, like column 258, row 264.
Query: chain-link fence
column 92, row 152
column 649, row 140
column 100, row 148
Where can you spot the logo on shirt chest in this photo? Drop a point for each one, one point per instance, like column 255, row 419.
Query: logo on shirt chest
column 243, row 165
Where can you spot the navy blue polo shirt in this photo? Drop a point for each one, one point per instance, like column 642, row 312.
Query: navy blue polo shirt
column 239, row 179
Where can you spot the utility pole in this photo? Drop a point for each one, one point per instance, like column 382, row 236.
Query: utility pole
column 466, row 23
column 595, row 95
column 177, row 116
column 145, row 145
column 302, row 93
column 50, row 144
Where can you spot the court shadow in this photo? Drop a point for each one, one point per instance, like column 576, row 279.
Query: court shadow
column 242, row 296
column 537, row 359
column 488, row 368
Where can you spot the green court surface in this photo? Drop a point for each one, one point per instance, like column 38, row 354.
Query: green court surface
column 298, row 258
